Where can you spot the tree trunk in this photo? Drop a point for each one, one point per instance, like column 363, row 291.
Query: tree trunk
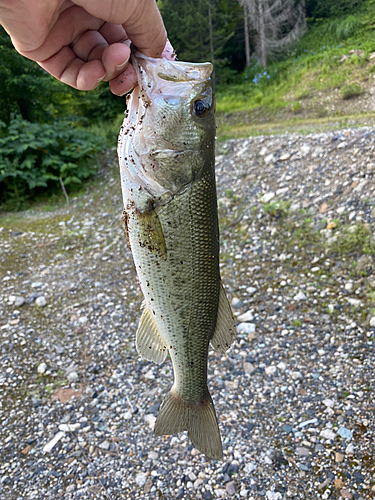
column 211, row 40
column 246, row 30
column 262, row 34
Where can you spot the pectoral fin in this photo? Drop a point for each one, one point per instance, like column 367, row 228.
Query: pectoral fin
column 225, row 330
column 149, row 343
column 151, row 233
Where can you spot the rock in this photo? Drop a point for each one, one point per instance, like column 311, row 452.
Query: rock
column 41, row 301
column 251, row 290
column 349, row 450
column 248, row 367
column 148, row 485
column 345, row 433
column 180, row 494
column 302, row 452
column 273, row 495
column 105, row 446
column 305, row 150
column 346, row 494
column 69, row 427
column 250, row 467
column 72, row 377
column 269, row 159
column 339, row 457
column 281, row 366
column 51, row 444
column 300, row 296
column 372, row 321
column 150, row 419
column 230, row 488
column 329, row 403
column 198, row 482
column 267, row 197
column 285, row 156
column 270, row 370
column 153, row 455
column 246, row 317
column 296, row 375
column 207, row 495
column 42, row 368
column 71, row 488
column 328, row 434
column 141, row 478
column 246, row 328
column 236, row 303
column 287, row 428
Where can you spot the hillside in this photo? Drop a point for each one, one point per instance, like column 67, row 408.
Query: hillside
column 328, row 77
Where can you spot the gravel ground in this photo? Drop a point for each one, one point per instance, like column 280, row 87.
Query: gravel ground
column 294, row 394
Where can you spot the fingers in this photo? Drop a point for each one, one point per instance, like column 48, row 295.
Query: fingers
column 70, row 69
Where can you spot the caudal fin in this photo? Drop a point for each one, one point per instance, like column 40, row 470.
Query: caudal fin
column 199, row 419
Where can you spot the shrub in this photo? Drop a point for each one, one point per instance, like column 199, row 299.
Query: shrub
column 351, row 90
column 33, row 157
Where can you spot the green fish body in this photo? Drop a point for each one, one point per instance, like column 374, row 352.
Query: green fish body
column 166, row 151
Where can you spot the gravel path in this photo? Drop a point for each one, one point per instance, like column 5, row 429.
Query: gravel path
column 294, row 395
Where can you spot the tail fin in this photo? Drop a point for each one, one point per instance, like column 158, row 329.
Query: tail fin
column 199, row 419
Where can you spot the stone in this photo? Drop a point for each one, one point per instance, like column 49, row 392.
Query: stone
column 302, row 452
column 246, row 317
column 281, row 366
column 141, row 478
column 267, row 197
column 230, row 488
column 72, row 377
column 105, row 446
column 345, row 433
column 270, row 370
column 236, row 303
column 300, row 296
column 42, row 367
column 41, row 301
column 153, row 455
column 328, row 434
column 51, row 444
column 248, row 367
column 346, row 494
column 248, row 328
column 251, row 290
column 69, row 427
column 349, row 450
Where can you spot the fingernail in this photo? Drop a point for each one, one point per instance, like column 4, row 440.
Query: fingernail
column 102, row 78
column 121, row 66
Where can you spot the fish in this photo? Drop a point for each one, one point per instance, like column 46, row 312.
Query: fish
column 166, row 153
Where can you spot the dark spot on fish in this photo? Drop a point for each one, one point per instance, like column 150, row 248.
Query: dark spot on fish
column 191, row 363
column 181, row 262
column 153, row 312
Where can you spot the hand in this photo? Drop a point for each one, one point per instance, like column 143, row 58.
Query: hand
column 84, row 42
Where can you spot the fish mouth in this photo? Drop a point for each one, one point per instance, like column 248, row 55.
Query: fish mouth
column 153, row 73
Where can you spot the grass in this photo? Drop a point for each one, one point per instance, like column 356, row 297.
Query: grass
column 298, row 84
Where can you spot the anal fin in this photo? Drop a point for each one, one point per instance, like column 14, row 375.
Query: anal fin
column 149, row 343
column 225, row 330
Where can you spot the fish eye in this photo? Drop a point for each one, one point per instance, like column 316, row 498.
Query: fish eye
column 201, row 108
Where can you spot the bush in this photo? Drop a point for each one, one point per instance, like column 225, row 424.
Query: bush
column 33, row 158
column 351, row 90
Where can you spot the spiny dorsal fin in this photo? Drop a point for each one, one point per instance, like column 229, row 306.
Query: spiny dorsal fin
column 149, row 343
column 225, row 330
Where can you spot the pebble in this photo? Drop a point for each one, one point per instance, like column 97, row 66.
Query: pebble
column 345, row 433
column 230, row 488
column 339, row 457
column 236, row 303
column 349, row 450
column 346, row 494
column 41, row 301
column 42, row 367
column 246, row 317
column 372, row 321
column 141, row 478
column 105, row 446
column 69, row 427
column 247, row 328
column 328, row 434
column 72, row 377
column 270, row 370
column 267, row 197
column 300, row 296
column 251, row 290
column 302, row 452
column 47, row 448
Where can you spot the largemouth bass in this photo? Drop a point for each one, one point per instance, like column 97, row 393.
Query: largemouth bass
column 166, row 154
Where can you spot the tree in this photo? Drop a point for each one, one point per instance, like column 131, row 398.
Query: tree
column 201, row 30
column 277, row 23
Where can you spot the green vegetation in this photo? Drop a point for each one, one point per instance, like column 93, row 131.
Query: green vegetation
column 329, row 65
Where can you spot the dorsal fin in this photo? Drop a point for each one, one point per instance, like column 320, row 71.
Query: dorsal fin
column 225, row 330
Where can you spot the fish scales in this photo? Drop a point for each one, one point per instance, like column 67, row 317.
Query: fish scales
column 166, row 152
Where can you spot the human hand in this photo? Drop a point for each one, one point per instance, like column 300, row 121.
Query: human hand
column 83, row 42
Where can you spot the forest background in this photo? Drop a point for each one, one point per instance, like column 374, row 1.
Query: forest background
column 51, row 135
